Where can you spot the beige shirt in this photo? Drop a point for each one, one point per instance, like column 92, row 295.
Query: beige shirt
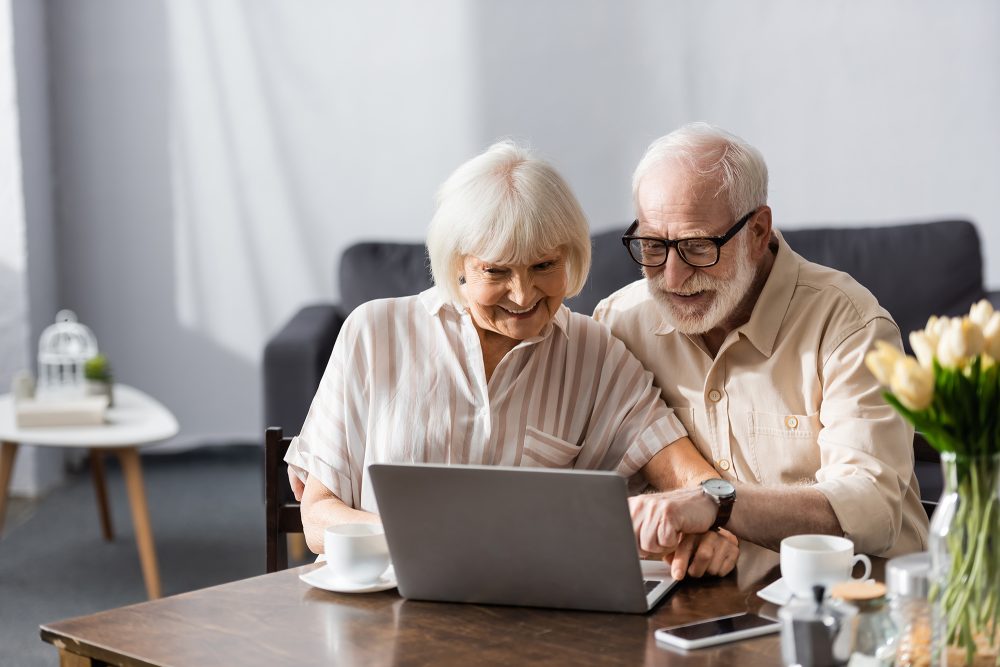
column 788, row 399
column 406, row 383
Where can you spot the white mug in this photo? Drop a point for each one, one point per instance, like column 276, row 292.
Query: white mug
column 818, row 560
column 356, row 552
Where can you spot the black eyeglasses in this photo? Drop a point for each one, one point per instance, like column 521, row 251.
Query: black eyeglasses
column 700, row 252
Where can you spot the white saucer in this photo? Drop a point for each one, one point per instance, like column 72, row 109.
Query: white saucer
column 320, row 578
column 779, row 593
column 776, row 592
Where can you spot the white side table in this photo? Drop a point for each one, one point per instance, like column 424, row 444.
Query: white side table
column 135, row 420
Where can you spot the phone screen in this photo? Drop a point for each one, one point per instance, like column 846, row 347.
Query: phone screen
column 719, row 626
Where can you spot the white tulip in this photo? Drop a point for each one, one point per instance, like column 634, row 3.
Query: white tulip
column 961, row 341
column 991, row 336
column 882, row 361
column 981, row 312
column 923, row 346
column 936, row 326
column 912, row 384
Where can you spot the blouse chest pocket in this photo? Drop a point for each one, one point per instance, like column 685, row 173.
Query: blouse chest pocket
column 542, row 450
column 784, row 447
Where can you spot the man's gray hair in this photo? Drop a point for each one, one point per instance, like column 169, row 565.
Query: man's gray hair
column 737, row 166
column 509, row 207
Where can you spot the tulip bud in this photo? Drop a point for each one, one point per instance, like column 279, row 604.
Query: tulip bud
column 981, row 312
column 960, row 341
column 991, row 336
column 923, row 346
column 882, row 361
column 936, row 326
column 912, row 384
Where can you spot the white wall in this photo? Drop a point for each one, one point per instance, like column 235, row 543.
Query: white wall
column 214, row 158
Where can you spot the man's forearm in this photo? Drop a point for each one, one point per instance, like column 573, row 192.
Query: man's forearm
column 677, row 466
column 767, row 515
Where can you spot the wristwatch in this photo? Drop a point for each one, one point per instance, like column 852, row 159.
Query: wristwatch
column 724, row 495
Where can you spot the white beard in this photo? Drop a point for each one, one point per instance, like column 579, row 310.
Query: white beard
column 728, row 292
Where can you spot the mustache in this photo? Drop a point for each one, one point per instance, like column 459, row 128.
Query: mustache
column 696, row 283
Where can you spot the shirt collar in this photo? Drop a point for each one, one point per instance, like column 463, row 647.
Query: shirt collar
column 435, row 298
column 772, row 303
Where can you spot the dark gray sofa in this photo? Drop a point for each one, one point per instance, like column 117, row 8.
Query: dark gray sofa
column 915, row 270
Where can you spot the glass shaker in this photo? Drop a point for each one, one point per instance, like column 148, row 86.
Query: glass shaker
column 815, row 633
column 908, row 580
column 875, row 631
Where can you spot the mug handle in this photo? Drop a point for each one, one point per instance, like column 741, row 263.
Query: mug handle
column 861, row 558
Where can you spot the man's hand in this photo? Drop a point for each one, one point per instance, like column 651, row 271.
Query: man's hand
column 298, row 486
column 661, row 520
column 713, row 553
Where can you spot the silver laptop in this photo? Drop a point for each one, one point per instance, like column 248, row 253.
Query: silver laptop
column 515, row 536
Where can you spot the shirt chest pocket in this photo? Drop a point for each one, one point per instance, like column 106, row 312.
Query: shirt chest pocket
column 784, row 447
column 542, row 450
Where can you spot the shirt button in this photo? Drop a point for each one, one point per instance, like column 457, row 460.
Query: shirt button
column 715, row 395
column 792, row 422
column 723, row 464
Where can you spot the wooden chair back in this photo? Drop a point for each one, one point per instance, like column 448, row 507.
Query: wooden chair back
column 282, row 517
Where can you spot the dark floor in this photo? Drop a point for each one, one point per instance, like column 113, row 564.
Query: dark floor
column 206, row 508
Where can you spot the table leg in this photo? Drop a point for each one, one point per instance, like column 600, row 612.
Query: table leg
column 7, row 452
column 67, row 659
column 132, row 470
column 101, row 491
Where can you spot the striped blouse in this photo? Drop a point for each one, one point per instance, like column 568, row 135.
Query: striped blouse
column 406, row 383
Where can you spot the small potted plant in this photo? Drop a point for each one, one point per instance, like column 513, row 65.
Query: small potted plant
column 97, row 371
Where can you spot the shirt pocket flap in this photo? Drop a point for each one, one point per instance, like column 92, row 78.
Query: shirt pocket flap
column 784, row 425
column 542, row 450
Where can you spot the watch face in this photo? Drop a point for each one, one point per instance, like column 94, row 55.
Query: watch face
column 719, row 487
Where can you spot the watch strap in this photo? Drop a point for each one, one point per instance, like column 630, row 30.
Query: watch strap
column 725, row 511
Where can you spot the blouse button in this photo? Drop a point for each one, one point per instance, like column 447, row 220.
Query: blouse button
column 792, row 422
column 724, row 464
column 715, row 395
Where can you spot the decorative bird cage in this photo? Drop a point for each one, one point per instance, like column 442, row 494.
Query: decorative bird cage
column 63, row 349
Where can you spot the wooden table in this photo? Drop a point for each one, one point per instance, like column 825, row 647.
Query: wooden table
column 276, row 619
column 135, row 420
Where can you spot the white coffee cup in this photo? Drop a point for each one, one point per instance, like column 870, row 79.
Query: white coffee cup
column 818, row 560
column 356, row 553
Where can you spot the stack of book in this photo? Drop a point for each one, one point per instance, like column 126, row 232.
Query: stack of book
column 51, row 411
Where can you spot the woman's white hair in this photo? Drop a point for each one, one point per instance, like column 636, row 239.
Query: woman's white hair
column 737, row 166
column 509, row 207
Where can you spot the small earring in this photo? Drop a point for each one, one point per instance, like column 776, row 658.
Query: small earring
column 461, row 280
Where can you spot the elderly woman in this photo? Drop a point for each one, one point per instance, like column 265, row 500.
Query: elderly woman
column 489, row 367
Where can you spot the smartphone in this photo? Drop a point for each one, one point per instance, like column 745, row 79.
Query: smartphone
column 717, row 630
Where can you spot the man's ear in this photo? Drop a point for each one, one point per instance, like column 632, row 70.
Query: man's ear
column 759, row 227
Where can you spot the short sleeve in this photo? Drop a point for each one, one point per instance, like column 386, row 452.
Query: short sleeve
column 331, row 445
column 630, row 417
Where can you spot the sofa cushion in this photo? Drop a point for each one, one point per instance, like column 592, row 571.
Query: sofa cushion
column 380, row 270
column 914, row 270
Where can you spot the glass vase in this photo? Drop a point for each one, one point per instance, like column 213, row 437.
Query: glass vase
column 965, row 562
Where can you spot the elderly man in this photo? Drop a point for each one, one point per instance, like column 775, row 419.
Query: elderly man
column 761, row 355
